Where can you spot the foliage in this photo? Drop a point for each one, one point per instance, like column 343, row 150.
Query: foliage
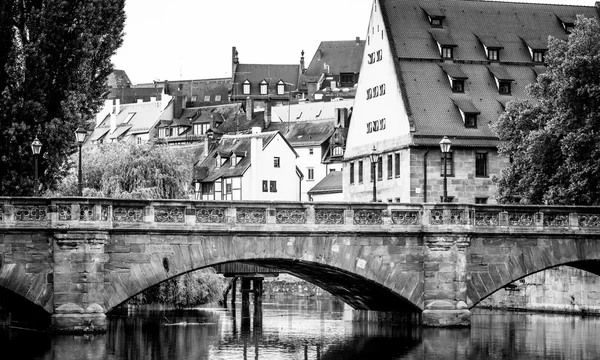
column 121, row 170
column 54, row 61
column 191, row 289
column 553, row 141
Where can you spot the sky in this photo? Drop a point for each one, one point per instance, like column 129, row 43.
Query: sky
column 192, row 39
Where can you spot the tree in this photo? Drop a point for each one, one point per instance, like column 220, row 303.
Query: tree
column 553, row 140
column 122, row 170
column 54, row 61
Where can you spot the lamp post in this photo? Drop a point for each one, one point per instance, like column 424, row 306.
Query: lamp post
column 374, row 156
column 445, row 144
column 36, row 147
column 80, row 134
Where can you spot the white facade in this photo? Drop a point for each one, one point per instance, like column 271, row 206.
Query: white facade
column 379, row 118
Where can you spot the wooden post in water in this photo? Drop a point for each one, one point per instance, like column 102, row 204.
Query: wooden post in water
column 258, row 293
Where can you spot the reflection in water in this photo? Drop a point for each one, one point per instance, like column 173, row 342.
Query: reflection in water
column 308, row 329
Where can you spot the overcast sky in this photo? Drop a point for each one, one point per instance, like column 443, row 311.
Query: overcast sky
column 192, row 39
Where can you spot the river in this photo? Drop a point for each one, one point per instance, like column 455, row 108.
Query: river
column 309, row 329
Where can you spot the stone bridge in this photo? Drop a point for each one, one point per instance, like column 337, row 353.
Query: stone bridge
column 75, row 259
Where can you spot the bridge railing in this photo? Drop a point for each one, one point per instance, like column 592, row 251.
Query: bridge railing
column 339, row 216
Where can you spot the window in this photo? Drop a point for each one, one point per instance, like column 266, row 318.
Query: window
column 207, row 188
column 504, row 87
column 360, row 171
column 470, row 120
column 246, row 87
column 458, row 85
column 311, row 151
column 380, row 168
column 276, row 161
column 538, row 56
column 139, row 140
column 481, row 164
column 337, row 151
column 449, row 165
column 128, row 118
column 493, row 54
column 346, row 80
column 206, row 97
column 273, row 186
column 397, row 164
column 228, row 188
column 201, row 129
column 263, row 87
column 435, row 21
column 194, row 98
column 390, row 166
column 265, row 186
column 280, row 87
column 311, row 174
column 481, row 200
column 351, row 173
column 217, row 97
column 446, row 52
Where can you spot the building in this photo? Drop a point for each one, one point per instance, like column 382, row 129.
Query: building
column 328, row 189
column 134, row 123
column 334, row 70
column 256, row 166
column 264, row 83
column 196, row 92
column 443, row 68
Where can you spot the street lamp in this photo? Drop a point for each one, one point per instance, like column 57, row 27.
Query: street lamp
column 374, row 156
column 80, row 134
column 36, row 147
column 445, row 144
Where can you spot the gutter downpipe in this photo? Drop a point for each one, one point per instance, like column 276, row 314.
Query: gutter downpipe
column 425, row 176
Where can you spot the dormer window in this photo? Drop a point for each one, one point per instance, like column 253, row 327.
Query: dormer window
column 446, row 52
column 502, row 78
column 470, row 120
column 456, row 76
column 280, row 87
column 218, row 161
column 233, row 161
column 435, row 21
column 263, row 87
column 337, row 151
column 538, row 56
column 468, row 111
column 493, row 54
column 567, row 21
column 504, row 87
column 458, row 85
column 246, row 87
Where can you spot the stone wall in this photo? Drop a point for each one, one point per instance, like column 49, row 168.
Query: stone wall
column 564, row 289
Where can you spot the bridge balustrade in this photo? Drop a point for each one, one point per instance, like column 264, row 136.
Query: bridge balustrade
column 120, row 213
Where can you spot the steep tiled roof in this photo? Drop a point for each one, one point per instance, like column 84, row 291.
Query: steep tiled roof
column 468, row 25
column 140, row 116
column 304, row 133
column 238, row 144
column 332, row 183
column 310, row 110
column 255, row 73
column 341, row 57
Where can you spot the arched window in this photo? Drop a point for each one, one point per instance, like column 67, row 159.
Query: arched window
column 263, row 87
column 280, row 87
column 246, row 87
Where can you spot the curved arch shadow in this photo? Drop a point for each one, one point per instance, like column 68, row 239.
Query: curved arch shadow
column 355, row 290
column 23, row 312
column 591, row 266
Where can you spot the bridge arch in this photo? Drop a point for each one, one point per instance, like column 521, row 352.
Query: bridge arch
column 358, row 274
column 495, row 264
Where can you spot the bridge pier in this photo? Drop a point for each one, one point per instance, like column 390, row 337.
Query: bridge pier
column 445, row 285
column 78, row 278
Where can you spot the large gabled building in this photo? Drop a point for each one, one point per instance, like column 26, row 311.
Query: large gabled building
column 443, row 68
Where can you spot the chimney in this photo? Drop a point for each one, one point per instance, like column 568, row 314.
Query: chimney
column 139, row 101
column 178, row 105
column 153, row 98
column 255, row 151
column 113, row 122
column 358, row 40
column 117, row 108
column 267, row 114
column 234, row 56
column 319, row 54
column 302, row 67
column 249, row 108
